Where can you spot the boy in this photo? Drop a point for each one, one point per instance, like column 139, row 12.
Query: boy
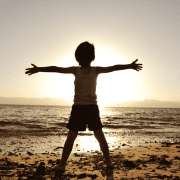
column 85, row 109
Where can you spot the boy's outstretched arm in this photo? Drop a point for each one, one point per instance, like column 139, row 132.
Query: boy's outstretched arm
column 108, row 69
column 35, row 69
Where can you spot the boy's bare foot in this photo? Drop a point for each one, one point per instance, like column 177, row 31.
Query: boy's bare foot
column 58, row 167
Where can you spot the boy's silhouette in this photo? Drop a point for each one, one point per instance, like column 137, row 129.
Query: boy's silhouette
column 85, row 109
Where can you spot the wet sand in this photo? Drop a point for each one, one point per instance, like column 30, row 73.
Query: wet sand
column 153, row 161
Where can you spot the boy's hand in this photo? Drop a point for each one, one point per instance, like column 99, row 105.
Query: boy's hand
column 135, row 66
column 32, row 70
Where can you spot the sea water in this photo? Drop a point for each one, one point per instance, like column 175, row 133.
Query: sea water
column 127, row 126
column 29, row 118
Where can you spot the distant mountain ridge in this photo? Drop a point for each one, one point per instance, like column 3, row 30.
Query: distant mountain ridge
column 150, row 103
column 34, row 101
column 63, row 102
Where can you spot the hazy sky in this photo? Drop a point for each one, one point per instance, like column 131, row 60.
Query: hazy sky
column 47, row 32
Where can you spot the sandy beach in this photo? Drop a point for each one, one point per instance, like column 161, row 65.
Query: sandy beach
column 152, row 161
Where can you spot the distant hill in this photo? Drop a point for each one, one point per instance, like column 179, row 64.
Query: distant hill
column 150, row 103
column 35, row 101
column 63, row 102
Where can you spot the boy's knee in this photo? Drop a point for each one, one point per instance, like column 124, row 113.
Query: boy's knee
column 72, row 135
column 99, row 135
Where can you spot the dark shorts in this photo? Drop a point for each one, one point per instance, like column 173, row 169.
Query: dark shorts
column 82, row 115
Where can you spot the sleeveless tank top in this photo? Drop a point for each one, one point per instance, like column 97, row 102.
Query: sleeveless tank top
column 85, row 87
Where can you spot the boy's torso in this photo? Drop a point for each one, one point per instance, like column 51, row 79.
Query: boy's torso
column 85, row 85
column 85, row 70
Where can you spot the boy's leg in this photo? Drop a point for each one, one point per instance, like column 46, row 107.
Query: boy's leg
column 66, row 150
column 68, row 146
column 99, row 135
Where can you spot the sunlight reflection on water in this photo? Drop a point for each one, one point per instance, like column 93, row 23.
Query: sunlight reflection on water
column 88, row 143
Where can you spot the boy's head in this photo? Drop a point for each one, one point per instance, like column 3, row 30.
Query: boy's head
column 85, row 54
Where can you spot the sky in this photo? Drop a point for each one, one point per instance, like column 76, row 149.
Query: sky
column 47, row 33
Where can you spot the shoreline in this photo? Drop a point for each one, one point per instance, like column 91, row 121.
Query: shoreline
column 139, row 156
column 145, row 162
column 39, row 143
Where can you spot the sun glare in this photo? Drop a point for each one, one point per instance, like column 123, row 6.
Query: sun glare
column 114, row 86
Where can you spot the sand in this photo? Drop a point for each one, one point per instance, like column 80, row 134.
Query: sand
column 154, row 161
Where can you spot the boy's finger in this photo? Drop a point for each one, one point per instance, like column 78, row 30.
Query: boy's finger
column 134, row 61
column 34, row 65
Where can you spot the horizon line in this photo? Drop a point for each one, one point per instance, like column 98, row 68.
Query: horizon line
column 111, row 101
column 98, row 105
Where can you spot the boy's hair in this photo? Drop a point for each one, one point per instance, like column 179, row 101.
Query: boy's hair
column 85, row 53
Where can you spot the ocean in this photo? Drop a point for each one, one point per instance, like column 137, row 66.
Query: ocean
column 129, row 126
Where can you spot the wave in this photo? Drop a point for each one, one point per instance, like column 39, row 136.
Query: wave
column 130, row 127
